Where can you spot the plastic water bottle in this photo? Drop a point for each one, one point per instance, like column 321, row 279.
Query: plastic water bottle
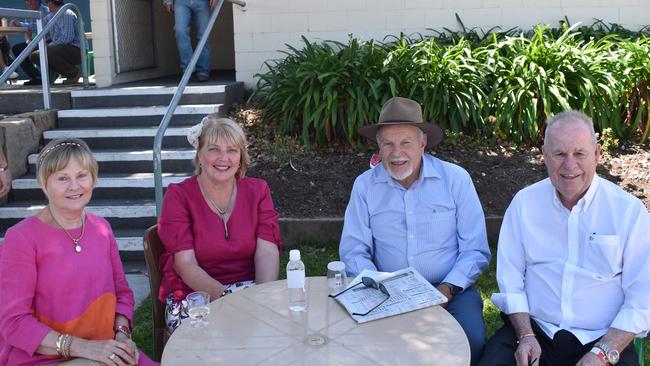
column 296, row 282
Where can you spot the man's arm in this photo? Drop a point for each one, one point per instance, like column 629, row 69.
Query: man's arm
column 356, row 246
column 473, row 250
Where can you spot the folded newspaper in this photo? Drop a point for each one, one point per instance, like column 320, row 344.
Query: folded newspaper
column 407, row 288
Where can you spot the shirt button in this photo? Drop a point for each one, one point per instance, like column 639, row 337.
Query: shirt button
column 411, row 236
column 410, row 212
column 411, row 257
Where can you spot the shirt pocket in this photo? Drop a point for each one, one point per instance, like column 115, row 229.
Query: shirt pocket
column 437, row 225
column 603, row 255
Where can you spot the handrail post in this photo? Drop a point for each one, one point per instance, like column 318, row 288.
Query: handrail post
column 42, row 47
column 45, row 77
column 160, row 134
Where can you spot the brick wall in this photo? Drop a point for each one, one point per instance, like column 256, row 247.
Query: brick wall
column 265, row 26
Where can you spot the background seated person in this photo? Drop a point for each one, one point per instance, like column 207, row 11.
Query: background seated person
column 64, row 293
column 27, row 66
column 219, row 228
column 4, row 57
column 63, row 52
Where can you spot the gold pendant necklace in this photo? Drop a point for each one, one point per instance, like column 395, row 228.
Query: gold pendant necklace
column 75, row 241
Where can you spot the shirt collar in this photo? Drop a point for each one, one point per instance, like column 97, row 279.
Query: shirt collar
column 583, row 202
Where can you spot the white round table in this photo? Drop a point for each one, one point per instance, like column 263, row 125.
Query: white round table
column 255, row 327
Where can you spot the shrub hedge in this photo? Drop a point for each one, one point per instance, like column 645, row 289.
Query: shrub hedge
column 494, row 85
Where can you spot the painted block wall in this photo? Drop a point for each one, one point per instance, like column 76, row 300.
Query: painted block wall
column 263, row 27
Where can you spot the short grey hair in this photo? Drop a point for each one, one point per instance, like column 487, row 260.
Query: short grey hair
column 570, row 117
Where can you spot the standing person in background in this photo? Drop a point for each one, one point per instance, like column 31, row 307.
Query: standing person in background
column 27, row 66
column 5, row 175
column 184, row 11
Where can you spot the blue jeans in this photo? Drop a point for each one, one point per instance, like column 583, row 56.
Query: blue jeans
column 184, row 11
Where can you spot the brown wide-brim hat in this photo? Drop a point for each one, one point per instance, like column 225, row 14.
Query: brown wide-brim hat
column 403, row 111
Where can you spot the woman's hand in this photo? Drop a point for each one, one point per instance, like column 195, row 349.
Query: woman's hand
column 108, row 352
column 121, row 337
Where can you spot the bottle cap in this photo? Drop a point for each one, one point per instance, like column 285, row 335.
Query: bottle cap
column 294, row 255
column 336, row 266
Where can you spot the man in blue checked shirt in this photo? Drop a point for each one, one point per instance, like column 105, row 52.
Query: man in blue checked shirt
column 63, row 52
column 416, row 210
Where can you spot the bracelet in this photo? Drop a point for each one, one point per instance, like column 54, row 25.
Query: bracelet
column 521, row 337
column 66, row 348
column 59, row 349
column 124, row 330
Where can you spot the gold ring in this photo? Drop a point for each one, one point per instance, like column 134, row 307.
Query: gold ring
column 112, row 356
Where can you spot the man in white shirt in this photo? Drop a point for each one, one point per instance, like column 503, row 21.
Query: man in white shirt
column 572, row 262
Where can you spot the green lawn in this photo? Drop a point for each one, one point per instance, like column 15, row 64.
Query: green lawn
column 316, row 257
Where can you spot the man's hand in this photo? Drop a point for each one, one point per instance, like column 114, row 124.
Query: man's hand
column 528, row 352
column 447, row 292
column 213, row 3
column 590, row 359
column 169, row 8
column 14, row 23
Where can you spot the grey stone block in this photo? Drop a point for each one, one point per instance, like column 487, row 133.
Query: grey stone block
column 43, row 120
column 20, row 140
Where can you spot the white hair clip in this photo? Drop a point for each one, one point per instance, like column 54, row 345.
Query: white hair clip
column 195, row 132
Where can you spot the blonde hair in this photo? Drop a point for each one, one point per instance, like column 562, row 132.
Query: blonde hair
column 57, row 154
column 224, row 129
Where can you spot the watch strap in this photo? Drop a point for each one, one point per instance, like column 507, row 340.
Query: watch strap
column 600, row 353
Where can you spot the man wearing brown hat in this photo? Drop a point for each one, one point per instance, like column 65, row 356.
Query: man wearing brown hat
column 419, row 211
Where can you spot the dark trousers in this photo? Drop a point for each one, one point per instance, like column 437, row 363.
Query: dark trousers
column 62, row 58
column 28, row 67
column 563, row 349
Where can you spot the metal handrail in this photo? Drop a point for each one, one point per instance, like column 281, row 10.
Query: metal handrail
column 164, row 123
column 40, row 39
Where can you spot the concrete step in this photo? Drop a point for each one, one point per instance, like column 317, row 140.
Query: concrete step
column 133, row 96
column 109, row 186
column 121, row 214
column 184, row 115
column 136, row 161
column 122, row 138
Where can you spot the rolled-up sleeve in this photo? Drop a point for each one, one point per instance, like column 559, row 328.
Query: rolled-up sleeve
column 634, row 314
column 473, row 250
column 268, row 226
column 356, row 246
column 123, row 293
column 511, row 265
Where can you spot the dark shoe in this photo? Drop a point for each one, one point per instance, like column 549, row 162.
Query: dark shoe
column 202, row 78
column 33, row 82
column 74, row 79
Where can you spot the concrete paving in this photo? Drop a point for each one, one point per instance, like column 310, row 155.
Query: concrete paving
column 136, row 274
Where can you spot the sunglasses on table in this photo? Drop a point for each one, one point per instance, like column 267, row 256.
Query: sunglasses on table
column 368, row 282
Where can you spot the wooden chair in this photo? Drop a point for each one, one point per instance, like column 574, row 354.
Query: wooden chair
column 153, row 249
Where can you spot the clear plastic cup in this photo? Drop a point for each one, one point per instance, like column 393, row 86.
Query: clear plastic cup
column 336, row 277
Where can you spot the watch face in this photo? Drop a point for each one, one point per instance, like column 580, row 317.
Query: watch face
column 613, row 356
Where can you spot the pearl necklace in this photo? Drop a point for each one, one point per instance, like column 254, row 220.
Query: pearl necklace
column 75, row 241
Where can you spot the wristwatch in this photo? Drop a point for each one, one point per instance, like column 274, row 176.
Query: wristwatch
column 455, row 290
column 612, row 355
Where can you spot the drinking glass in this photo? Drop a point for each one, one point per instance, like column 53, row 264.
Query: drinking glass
column 336, row 277
column 198, row 308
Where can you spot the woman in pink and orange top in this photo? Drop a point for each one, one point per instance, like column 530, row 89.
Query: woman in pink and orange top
column 63, row 290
